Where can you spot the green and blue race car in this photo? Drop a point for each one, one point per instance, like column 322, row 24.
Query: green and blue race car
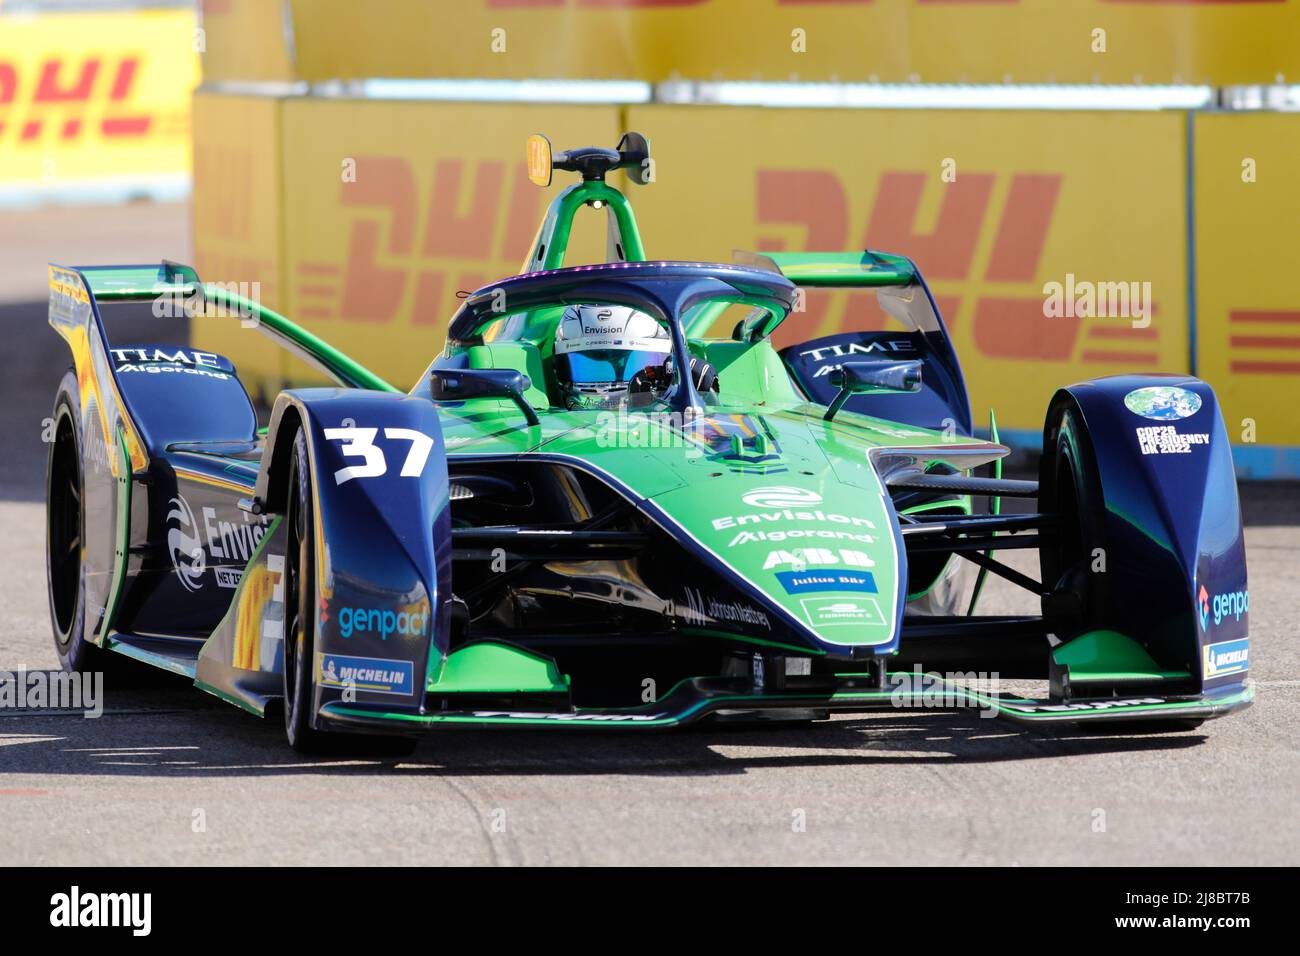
column 612, row 502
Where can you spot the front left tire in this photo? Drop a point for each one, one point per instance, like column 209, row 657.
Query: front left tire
column 299, row 631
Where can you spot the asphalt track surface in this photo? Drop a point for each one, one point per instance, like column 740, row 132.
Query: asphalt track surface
column 169, row 775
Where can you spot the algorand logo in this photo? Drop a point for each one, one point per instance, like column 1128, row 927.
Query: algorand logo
column 781, row 496
column 184, row 545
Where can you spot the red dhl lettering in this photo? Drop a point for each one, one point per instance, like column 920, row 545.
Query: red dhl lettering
column 45, row 97
column 394, row 232
column 1004, row 326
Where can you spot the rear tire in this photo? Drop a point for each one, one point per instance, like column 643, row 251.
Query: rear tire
column 65, row 526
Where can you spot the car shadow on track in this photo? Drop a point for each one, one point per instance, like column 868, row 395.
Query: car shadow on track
column 171, row 733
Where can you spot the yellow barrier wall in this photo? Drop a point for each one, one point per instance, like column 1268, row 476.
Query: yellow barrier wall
column 1037, row 197
column 394, row 207
column 95, row 96
column 238, row 229
column 391, row 208
column 246, row 40
column 1248, row 271
column 361, row 220
column 957, row 41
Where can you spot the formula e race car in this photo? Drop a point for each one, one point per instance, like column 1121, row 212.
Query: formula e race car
column 610, row 501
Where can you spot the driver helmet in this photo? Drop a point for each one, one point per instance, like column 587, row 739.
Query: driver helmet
column 600, row 349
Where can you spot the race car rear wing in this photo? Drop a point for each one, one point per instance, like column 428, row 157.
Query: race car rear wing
column 75, row 294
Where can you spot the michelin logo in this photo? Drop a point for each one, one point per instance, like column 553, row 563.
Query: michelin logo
column 1226, row 657
column 367, row 673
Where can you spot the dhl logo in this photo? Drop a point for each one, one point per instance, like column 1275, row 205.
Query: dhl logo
column 484, row 212
column 1256, row 348
column 1007, row 325
column 60, row 93
column 395, row 239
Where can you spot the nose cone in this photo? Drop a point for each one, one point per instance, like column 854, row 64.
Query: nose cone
column 822, row 552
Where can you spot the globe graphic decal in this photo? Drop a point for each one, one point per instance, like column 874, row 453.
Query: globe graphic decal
column 1163, row 403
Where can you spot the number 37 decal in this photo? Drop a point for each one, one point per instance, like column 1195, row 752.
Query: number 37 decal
column 360, row 443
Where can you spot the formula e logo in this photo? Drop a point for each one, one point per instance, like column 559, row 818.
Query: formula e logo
column 184, row 545
column 781, row 496
column 1204, row 600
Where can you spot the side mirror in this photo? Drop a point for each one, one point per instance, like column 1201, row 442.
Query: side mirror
column 539, row 159
column 870, row 378
column 461, row 384
column 633, row 151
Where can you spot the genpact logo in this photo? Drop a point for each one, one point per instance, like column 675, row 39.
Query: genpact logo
column 781, row 496
column 372, row 621
column 1204, row 600
column 1232, row 604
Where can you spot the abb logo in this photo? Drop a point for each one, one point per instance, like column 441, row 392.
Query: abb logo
column 1006, row 324
column 63, row 89
column 396, row 235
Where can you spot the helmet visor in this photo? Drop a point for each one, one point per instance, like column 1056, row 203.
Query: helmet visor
column 607, row 366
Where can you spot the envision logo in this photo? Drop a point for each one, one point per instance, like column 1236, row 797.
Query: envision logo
column 184, row 545
column 781, row 496
column 103, row 909
column 226, row 541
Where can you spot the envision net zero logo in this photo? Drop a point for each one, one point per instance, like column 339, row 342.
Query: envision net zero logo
column 781, row 496
column 184, row 545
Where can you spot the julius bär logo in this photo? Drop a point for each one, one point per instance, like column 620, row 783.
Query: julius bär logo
column 184, row 545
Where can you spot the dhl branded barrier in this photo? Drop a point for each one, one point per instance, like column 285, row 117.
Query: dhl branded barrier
column 935, row 41
column 248, row 40
column 238, row 226
column 395, row 207
column 992, row 206
column 90, row 97
column 1248, row 281
column 386, row 211
column 363, row 220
